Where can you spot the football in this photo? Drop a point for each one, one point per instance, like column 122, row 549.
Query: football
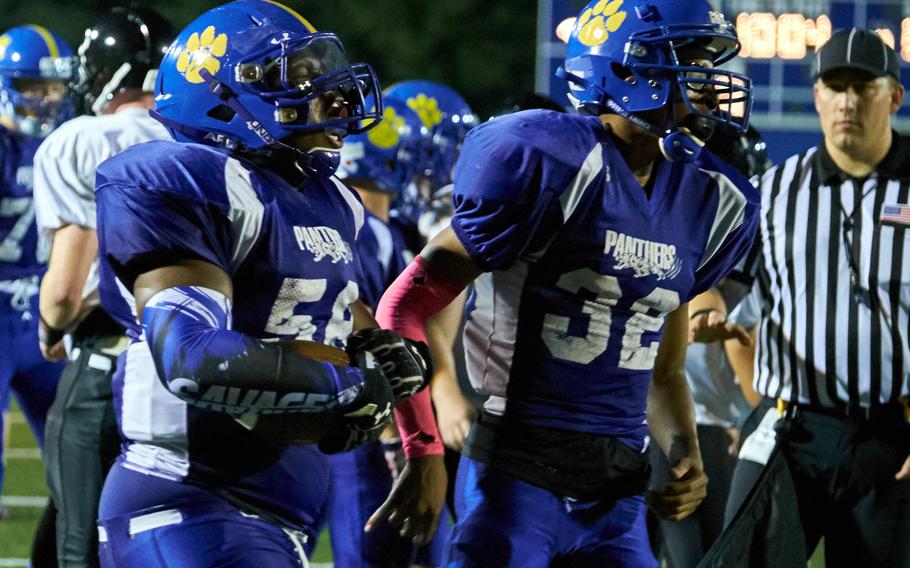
column 303, row 428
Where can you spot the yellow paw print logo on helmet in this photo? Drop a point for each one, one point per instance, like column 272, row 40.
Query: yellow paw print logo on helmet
column 4, row 43
column 202, row 52
column 599, row 21
column 386, row 133
column 427, row 108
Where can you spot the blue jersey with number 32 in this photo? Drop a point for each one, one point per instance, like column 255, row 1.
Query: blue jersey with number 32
column 583, row 265
column 289, row 252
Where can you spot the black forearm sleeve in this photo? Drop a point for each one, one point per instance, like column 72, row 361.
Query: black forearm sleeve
column 219, row 369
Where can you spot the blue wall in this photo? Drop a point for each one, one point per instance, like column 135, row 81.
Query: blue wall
column 783, row 144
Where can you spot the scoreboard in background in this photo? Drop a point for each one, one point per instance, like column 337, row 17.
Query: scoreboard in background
column 779, row 39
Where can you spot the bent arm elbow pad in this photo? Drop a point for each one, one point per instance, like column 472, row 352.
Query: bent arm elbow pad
column 202, row 361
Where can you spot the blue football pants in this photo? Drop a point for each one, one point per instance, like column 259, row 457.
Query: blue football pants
column 507, row 523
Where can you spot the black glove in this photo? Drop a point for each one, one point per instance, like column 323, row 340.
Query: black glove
column 405, row 363
column 364, row 418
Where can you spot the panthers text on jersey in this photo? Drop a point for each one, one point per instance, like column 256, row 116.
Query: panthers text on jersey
column 582, row 265
column 290, row 254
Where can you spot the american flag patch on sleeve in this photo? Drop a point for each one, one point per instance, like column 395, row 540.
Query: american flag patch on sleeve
column 896, row 214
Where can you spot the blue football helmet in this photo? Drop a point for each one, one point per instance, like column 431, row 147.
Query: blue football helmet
column 388, row 154
column 632, row 56
column 34, row 53
column 445, row 120
column 243, row 75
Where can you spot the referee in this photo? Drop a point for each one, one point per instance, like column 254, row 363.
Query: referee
column 833, row 353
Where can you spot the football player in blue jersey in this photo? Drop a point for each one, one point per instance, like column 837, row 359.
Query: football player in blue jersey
column 445, row 119
column 33, row 71
column 379, row 164
column 215, row 248
column 586, row 236
column 420, row 211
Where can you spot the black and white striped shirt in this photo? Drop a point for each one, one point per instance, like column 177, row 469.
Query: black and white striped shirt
column 833, row 272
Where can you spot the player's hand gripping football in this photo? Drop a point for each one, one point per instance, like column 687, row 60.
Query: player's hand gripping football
column 405, row 363
column 365, row 417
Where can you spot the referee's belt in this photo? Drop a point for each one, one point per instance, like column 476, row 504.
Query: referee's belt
column 875, row 412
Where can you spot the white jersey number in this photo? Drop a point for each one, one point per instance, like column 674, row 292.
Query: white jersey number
column 297, row 291
column 24, row 208
column 607, row 292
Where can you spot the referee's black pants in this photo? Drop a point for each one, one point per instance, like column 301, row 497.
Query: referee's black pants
column 842, row 469
column 82, row 442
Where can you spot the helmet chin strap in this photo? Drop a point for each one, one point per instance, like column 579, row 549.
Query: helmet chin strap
column 319, row 162
column 681, row 145
column 687, row 142
column 677, row 142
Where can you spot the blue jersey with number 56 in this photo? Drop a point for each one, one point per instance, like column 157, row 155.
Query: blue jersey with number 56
column 19, row 254
column 289, row 252
column 583, row 265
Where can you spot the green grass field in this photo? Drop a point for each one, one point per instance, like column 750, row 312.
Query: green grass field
column 25, row 488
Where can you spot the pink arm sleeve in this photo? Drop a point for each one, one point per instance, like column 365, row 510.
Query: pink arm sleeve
column 405, row 308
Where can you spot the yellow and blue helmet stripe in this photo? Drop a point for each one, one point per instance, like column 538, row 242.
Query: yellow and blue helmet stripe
column 30, row 51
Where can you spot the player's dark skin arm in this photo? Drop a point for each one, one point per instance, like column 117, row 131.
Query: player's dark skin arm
column 671, row 420
column 417, row 504
column 207, row 275
column 419, row 492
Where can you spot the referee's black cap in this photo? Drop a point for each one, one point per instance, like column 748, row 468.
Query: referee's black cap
column 857, row 49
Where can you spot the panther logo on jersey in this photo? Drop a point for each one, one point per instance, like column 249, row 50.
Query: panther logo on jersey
column 599, row 21
column 645, row 258
column 202, row 52
column 323, row 242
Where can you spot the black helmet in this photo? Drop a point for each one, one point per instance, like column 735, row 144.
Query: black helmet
column 119, row 51
column 747, row 152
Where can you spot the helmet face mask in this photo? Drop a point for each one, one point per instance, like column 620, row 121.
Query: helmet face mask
column 310, row 70
column 652, row 57
column 34, row 67
column 254, row 76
